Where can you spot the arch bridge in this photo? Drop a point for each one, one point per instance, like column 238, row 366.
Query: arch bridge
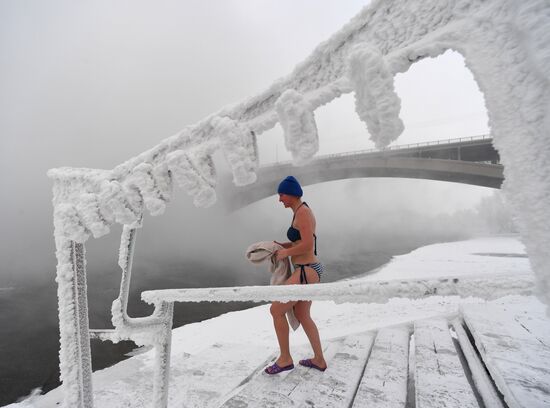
column 470, row 160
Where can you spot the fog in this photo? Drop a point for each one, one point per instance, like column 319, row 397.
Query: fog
column 94, row 83
column 91, row 84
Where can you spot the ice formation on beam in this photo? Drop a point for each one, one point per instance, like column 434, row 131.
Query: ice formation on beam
column 296, row 118
column 376, row 102
column 240, row 148
column 506, row 45
column 194, row 172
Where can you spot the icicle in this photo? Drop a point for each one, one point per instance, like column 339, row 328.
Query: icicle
column 120, row 203
column 298, row 123
column 88, row 208
column 142, row 179
column 196, row 174
column 67, row 220
column 240, row 149
column 376, row 101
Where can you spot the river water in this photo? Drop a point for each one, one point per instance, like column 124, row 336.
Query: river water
column 29, row 339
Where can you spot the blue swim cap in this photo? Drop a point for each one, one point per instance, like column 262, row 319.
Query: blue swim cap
column 290, row 186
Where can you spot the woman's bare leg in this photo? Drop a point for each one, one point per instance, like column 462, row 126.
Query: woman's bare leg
column 278, row 311
column 302, row 312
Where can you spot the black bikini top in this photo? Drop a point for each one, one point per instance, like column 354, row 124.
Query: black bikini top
column 293, row 234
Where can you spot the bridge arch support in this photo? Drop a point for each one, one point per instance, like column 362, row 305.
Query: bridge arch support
column 320, row 171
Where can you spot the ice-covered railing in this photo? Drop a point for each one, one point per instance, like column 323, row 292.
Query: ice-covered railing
column 488, row 288
column 506, row 45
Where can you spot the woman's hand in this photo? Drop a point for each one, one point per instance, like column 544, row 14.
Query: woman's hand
column 281, row 254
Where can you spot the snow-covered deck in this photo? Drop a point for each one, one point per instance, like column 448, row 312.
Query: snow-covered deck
column 438, row 350
column 375, row 369
column 493, row 353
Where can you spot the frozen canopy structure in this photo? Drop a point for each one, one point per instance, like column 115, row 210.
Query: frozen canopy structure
column 506, row 45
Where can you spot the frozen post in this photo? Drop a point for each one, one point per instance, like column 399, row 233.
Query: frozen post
column 74, row 355
column 154, row 330
column 162, row 359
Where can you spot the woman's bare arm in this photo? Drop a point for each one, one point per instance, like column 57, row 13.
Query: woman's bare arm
column 284, row 244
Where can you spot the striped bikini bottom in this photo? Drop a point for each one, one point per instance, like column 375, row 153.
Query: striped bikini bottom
column 317, row 267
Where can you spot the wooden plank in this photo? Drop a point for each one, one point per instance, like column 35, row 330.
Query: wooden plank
column 262, row 388
column 346, row 358
column 481, row 378
column 201, row 380
column 205, row 379
column 335, row 387
column 384, row 383
column 440, row 380
column 516, row 351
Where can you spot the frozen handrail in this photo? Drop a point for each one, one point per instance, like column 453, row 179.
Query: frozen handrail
column 489, row 287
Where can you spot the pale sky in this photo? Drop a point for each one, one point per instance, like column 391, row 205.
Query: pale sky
column 94, row 83
column 80, row 76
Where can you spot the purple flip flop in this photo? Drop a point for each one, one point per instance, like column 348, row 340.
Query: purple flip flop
column 310, row 364
column 276, row 368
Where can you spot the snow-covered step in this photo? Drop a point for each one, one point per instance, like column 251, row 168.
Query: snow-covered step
column 251, row 393
column 346, row 358
column 483, row 382
column 384, row 383
column 202, row 380
column 440, row 380
column 516, row 350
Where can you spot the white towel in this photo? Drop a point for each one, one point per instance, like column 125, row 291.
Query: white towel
column 280, row 270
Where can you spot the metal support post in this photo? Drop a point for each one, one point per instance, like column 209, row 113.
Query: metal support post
column 161, row 381
column 75, row 356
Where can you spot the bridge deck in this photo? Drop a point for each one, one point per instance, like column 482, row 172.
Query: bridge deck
column 469, row 161
column 474, row 149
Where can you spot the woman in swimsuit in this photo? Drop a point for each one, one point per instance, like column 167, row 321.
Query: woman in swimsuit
column 302, row 249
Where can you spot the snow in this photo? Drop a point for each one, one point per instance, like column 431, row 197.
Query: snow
column 73, row 314
column 485, row 287
column 297, row 120
column 376, row 101
column 244, row 340
column 195, row 174
column 522, row 341
column 387, row 370
column 430, row 261
column 480, row 376
column 440, row 378
column 142, row 179
column 114, row 205
column 240, row 148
